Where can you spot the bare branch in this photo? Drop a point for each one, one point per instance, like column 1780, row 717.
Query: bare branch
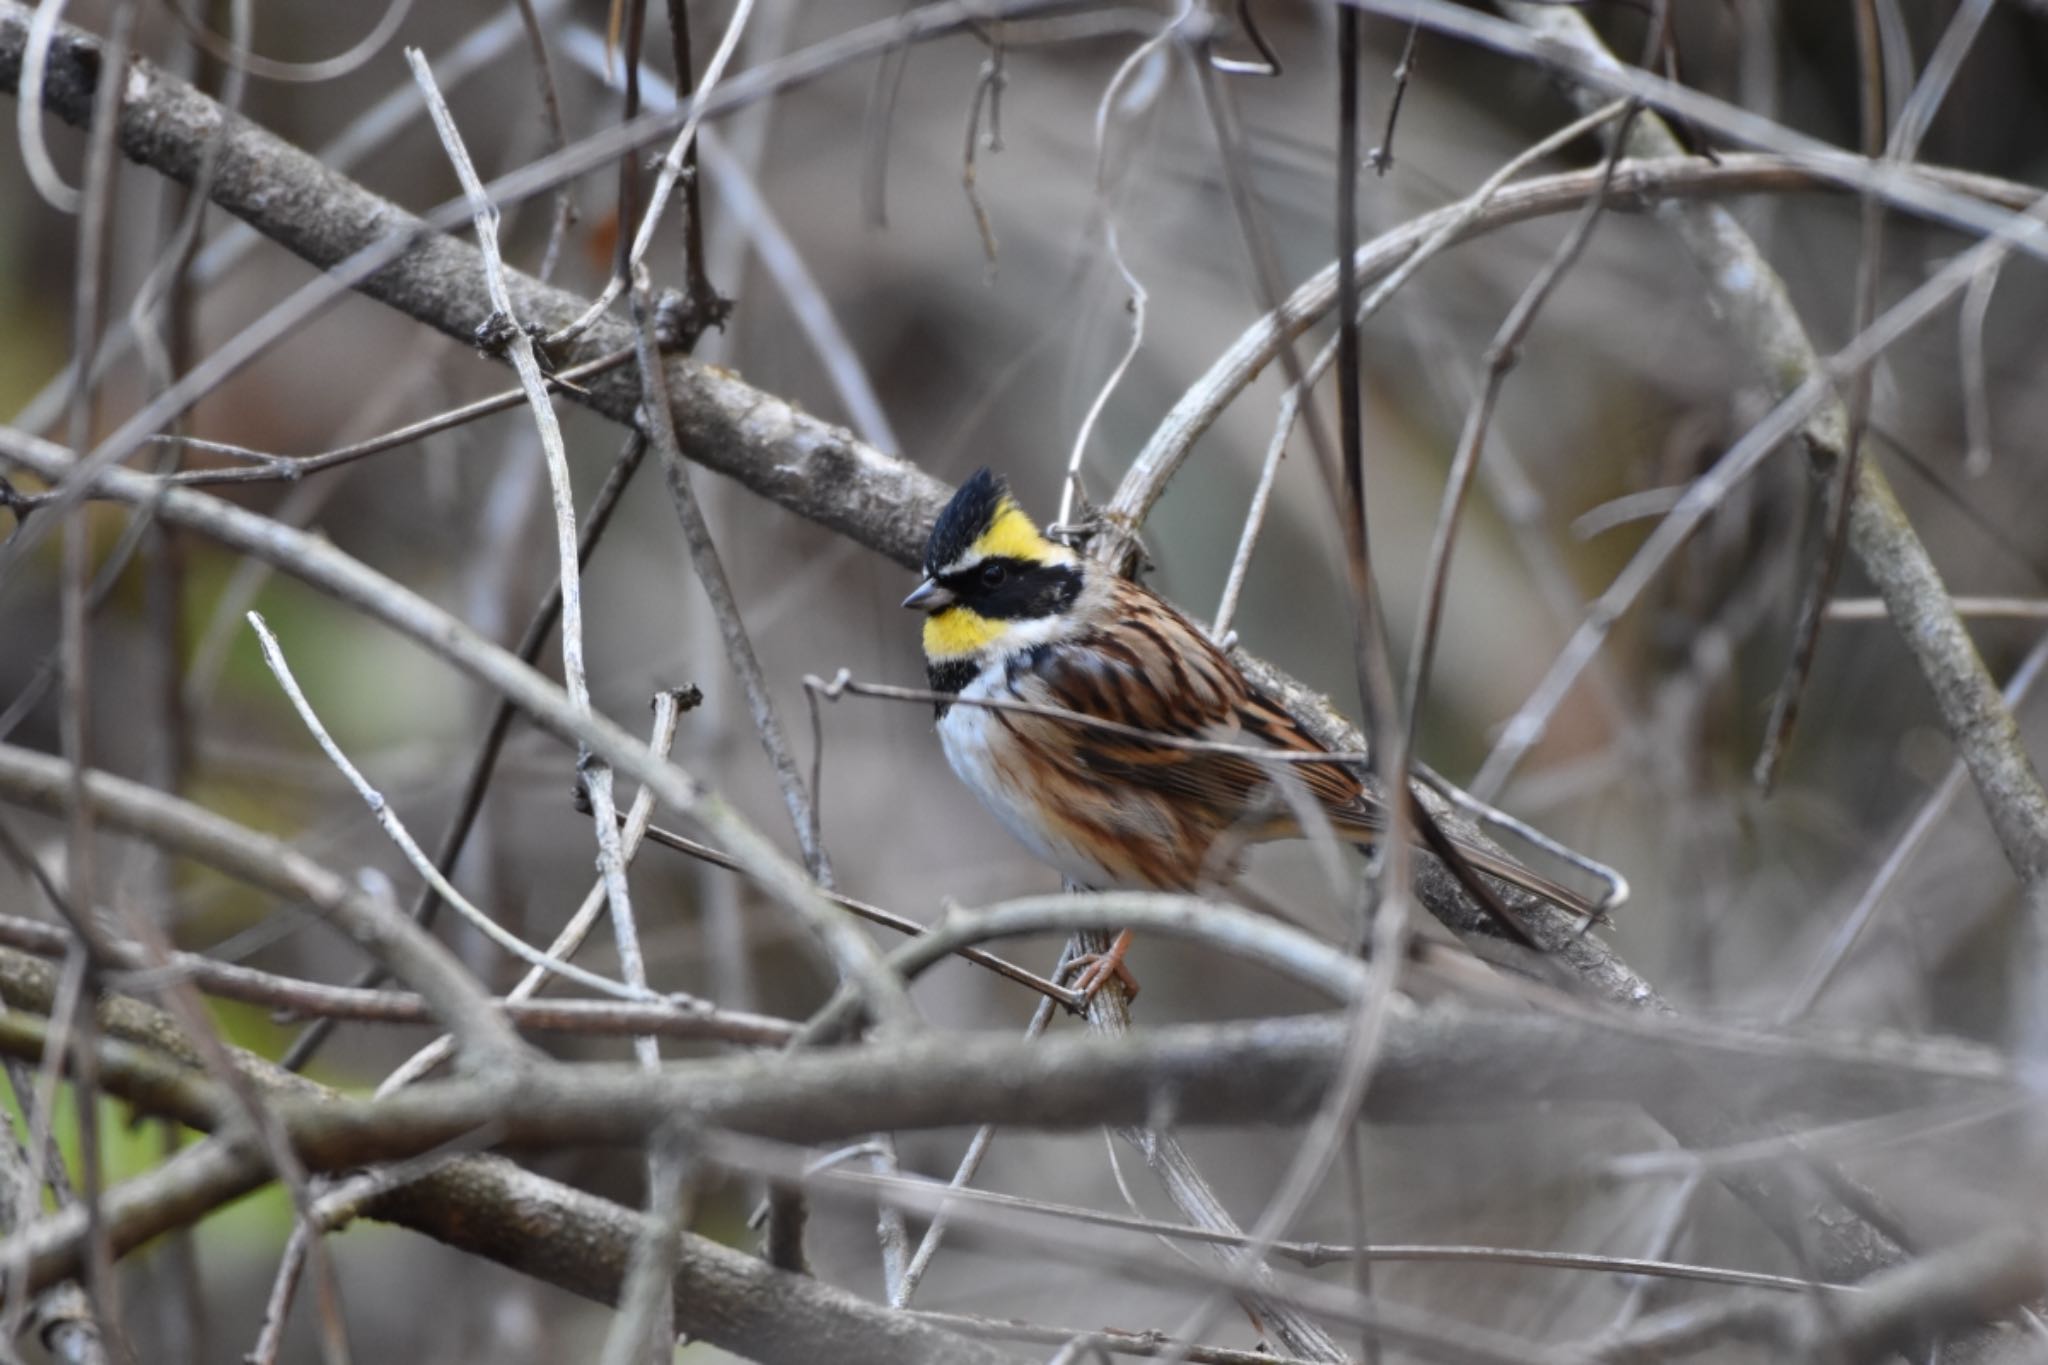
column 1438, row 1062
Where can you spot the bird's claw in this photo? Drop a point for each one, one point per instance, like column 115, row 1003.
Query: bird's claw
column 1096, row 969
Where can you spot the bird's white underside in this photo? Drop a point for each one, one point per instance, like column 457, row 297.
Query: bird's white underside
column 972, row 737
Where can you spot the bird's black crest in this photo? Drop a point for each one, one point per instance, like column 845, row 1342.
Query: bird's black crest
column 965, row 518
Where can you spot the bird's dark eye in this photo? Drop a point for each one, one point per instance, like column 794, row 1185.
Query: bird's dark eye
column 992, row 575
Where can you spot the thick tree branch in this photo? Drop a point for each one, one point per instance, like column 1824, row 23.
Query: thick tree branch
column 1441, row 1062
column 1438, row 1062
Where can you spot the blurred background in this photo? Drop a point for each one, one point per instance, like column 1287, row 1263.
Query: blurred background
column 989, row 347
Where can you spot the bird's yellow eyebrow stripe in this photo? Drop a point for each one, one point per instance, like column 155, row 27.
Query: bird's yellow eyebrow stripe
column 1013, row 535
column 958, row 633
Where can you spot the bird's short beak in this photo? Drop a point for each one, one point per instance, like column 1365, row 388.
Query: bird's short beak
column 929, row 595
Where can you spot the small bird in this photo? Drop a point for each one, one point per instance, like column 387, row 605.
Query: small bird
column 1014, row 617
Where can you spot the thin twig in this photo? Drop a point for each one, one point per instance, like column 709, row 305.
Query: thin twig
column 710, row 571
column 1262, row 497
column 988, row 88
column 1970, row 359
column 1071, row 493
column 1109, row 1014
column 389, row 21
column 705, row 305
column 558, row 138
column 841, row 684
column 1389, row 888
column 1426, row 828
column 1268, row 63
column 877, row 123
column 95, row 208
column 875, row 914
column 272, row 468
column 284, row 1286
column 595, row 772
column 930, row 1197
column 1979, row 608
column 1381, row 158
column 251, row 1102
column 625, row 30
column 1835, row 470
column 1432, row 1336
column 469, row 805
column 35, row 153
column 671, row 171
column 1389, row 262
column 66, row 1310
column 1495, row 818
column 1139, row 489
column 668, row 709
column 1976, row 1282
column 1099, row 1346
column 1502, row 354
column 40, row 1115
column 395, row 830
column 747, row 210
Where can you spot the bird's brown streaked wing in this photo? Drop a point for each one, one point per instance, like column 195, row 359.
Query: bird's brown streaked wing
column 1335, row 786
column 1153, row 669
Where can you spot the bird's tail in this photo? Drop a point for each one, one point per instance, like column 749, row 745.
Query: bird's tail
column 1367, row 827
column 1506, row 869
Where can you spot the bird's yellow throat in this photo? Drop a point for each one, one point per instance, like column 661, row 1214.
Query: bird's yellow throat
column 959, row 633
